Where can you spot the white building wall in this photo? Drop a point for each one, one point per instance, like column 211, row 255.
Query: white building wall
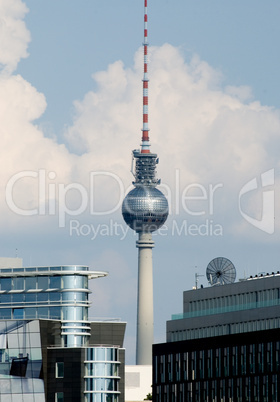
column 138, row 382
column 10, row 262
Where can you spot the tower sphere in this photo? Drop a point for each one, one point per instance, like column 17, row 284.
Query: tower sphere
column 145, row 209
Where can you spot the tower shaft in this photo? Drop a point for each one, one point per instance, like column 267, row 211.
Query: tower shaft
column 145, row 316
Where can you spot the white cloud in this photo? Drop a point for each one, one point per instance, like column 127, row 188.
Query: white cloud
column 211, row 134
column 23, row 145
column 13, row 33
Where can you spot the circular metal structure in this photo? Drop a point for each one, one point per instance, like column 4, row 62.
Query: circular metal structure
column 220, row 271
column 145, row 209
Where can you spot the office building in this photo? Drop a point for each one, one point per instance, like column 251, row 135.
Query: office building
column 49, row 349
column 224, row 347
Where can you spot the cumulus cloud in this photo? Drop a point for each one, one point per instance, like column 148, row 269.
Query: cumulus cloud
column 24, row 149
column 23, row 145
column 13, row 33
column 204, row 132
column 210, row 133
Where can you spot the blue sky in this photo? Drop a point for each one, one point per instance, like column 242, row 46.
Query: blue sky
column 70, row 105
column 72, row 40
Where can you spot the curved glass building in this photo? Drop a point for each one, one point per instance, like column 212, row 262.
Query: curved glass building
column 49, row 348
column 49, row 293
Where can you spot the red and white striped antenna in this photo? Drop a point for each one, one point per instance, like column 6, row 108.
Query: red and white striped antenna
column 145, row 145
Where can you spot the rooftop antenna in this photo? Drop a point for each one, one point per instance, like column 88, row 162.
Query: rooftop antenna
column 197, row 275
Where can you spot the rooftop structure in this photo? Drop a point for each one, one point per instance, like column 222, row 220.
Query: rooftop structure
column 224, row 346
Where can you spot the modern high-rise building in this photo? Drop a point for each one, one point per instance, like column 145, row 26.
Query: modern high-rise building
column 50, row 351
column 224, row 347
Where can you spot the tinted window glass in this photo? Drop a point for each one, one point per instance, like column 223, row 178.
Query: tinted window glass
column 55, row 282
column 18, row 283
column 30, row 297
column 30, row 283
column 6, row 283
column 18, row 313
column 43, row 282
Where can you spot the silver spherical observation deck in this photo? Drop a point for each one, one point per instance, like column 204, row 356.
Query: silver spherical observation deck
column 145, row 209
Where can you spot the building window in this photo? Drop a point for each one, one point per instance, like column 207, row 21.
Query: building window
column 6, row 284
column 55, row 282
column 18, row 313
column 59, row 397
column 5, row 313
column 59, row 371
column 18, row 283
column 30, row 283
column 43, row 282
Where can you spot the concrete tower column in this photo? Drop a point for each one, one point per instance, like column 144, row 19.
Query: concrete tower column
column 145, row 311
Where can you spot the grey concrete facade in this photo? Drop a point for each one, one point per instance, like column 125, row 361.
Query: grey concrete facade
column 224, row 347
column 245, row 306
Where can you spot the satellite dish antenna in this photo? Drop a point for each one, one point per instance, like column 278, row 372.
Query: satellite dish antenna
column 220, row 271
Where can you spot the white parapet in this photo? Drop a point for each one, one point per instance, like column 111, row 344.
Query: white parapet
column 138, row 383
column 7, row 262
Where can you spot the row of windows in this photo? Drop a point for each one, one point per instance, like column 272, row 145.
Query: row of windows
column 44, row 282
column 102, row 354
column 11, row 389
column 243, row 389
column 63, row 313
column 44, row 269
column 258, row 297
column 218, row 363
column 30, row 313
column 34, row 355
column 42, row 297
column 102, row 369
column 99, row 384
column 73, row 341
column 91, row 397
column 227, row 329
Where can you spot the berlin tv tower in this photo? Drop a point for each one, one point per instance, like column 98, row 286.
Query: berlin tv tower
column 145, row 209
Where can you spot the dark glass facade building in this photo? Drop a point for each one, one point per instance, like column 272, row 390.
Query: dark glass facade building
column 49, row 349
column 229, row 347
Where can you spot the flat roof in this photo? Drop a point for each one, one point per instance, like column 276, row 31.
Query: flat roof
column 51, row 271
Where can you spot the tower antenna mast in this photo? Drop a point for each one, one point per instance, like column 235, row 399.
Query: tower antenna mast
column 145, row 146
